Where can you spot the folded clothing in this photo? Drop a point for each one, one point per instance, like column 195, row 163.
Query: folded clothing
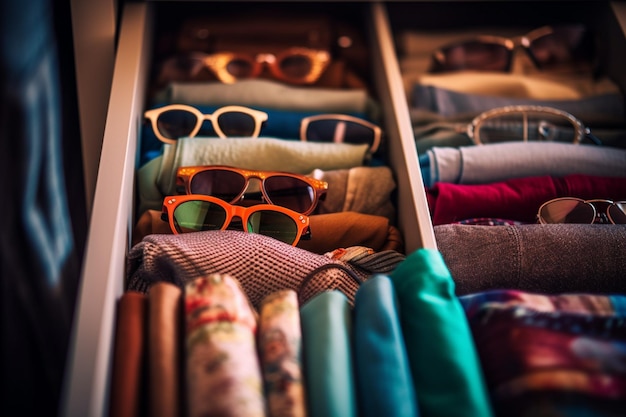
column 328, row 231
column 551, row 354
column 282, row 124
column 516, row 199
column 550, row 258
column 271, row 94
column 261, row 264
column 157, row 178
column 501, row 161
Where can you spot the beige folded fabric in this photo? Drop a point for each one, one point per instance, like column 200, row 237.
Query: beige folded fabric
column 164, row 335
column 271, row 94
column 361, row 189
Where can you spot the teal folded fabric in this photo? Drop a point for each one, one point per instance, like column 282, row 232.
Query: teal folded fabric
column 327, row 356
column 444, row 362
column 383, row 377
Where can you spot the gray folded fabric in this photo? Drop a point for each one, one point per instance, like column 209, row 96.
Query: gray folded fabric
column 502, row 161
column 361, row 189
column 551, row 259
column 271, row 94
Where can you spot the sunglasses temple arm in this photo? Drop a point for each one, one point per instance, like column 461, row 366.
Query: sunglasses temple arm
column 593, row 137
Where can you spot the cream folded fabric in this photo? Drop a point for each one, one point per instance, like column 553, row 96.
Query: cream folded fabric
column 271, row 94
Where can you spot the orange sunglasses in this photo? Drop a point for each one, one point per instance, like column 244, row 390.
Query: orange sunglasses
column 195, row 213
column 293, row 191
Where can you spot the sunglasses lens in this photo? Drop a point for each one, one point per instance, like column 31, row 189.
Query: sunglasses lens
column 222, row 184
column 195, row 216
column 525, row 126
column 473, row 55
column 273, row 224
column 339, row 131
column 296, row 66
column 562, row 47
column 617, row 212
column 289, row 192
column 240, row 68
column 174, row 124
column 568, row 211
column 235, row 123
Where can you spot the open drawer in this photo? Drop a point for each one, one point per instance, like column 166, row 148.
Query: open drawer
column 89, row 362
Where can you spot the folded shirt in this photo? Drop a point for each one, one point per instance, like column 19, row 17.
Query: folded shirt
column 328, row 357
column 383, row 375
column 559, row 354
column 271, row 94
column 449, row 102
column 444, row 363
column 546, row 258
column 516, row 199
column 501, row 161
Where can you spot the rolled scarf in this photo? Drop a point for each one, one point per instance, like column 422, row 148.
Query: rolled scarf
column 516, row 199
column 383, row 375
column 444, row 363
column 502, row 161
column 548, row 258
column 280, row 351
column 551, row 355
column 223, row 375
column 328, row 356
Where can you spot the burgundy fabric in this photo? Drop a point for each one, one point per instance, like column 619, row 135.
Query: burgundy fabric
column 516, row 199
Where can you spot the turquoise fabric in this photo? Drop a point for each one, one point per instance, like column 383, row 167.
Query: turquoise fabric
column 383, row 377
column 443, row 358
column 327, row 355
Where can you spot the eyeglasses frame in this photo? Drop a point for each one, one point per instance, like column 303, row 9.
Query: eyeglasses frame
column 153, row 115
column 580, row 200
column 185, row 174
column 378, row 133
column 170, row 203
column 581, row 131
column 510, row 44
column 218, row 62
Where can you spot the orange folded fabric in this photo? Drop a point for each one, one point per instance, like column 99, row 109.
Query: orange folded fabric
column 164, row 330
column 128, row 374
column 328, row 231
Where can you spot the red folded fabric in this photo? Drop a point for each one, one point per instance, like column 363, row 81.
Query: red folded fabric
column 516, row 199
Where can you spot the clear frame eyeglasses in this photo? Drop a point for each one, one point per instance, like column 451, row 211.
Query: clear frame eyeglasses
column 527, row 123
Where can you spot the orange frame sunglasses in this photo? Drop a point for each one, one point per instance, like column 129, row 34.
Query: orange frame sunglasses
column 196, row 213
column 293, row 191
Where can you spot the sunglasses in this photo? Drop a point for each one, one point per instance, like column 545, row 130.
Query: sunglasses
column 340, row 128
column 196, row 213
column 293, row 191
column 527, row 123
column 576, row 210
column 549, row 48
column 179, row 120
column 295, row 65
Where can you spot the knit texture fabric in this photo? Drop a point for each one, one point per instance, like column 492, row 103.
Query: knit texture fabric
column 261, row 264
